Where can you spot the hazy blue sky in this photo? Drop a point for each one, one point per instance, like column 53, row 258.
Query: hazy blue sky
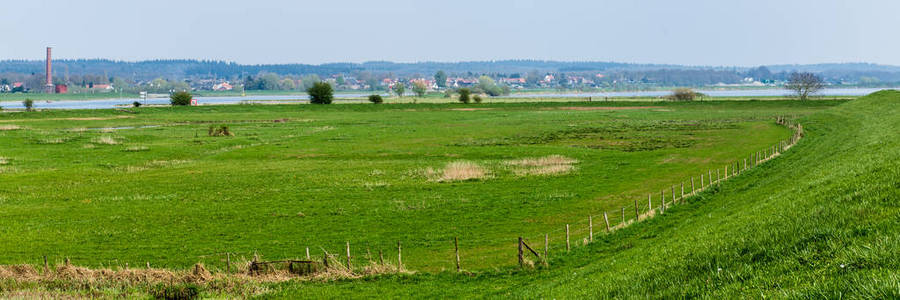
column 694, row 32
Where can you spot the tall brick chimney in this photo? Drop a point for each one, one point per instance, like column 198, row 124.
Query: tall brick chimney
column 49, row 69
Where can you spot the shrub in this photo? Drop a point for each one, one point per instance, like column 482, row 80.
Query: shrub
column 29, row 104
column 464, row 95
column 136, row 104
column 219, row 131
column 476, row 98
column 375, row 99
column 181, row 99
column 683, row 94
column 320, row 93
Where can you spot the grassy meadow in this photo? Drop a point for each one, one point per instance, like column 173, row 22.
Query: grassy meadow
column 293, row 176
column 113, row 188
column 819, row 222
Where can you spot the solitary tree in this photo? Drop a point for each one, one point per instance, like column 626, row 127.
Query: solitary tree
column 419, row 88
column 464, row 95
column 181, row 99
column 441, row 79
column 804, row 84
column 320, row 93
column 375, row 99
column 399, row 89
column 28, row 104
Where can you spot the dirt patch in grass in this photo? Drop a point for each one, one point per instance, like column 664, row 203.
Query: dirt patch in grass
column 603, row 107
column 457, row 171
column 547, row 165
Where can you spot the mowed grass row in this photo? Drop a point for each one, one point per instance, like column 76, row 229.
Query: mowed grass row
column 109, row 187
column 820, row 221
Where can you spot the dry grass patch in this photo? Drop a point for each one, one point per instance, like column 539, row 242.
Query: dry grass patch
column 547, row 165
column 51, row 141
column 4, row 160
column 457, row 171
column 10, row 127
column 105, row 140
column 136, row 148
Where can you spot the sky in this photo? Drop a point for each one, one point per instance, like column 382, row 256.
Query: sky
column 687, row 32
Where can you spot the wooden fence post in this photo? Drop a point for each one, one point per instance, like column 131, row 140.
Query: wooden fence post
column 701, row 181
column 456, row 247
column 692, row 186
column 521, row 256
column 682, row 192
column 591, row 228
column 710, row 176
column 649, row 203
column 307, row 253
column 623, row 217
column 718, row 175
column 349, row 266
column 673, row 195
column 380, row 257
column 399, row 257
column 227, row 262
column 726, row 171
column 637, row 215
column 546, row 246
column 607, row 221
column 567, row 238
column 662, row 201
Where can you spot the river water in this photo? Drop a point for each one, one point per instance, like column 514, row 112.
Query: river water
column 120, row 102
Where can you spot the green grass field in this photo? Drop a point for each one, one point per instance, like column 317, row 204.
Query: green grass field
column 821, row 221
column 166, row 193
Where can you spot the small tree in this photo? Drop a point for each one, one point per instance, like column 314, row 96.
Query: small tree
column 28, row 104
column 180, row 99
column 419, row 88
column 440, row 78
column 376, row 99
column 136, row 104
column 399, row 89
column 464, row 94
column 320, row 93
column 804, row 84
column 476, row 98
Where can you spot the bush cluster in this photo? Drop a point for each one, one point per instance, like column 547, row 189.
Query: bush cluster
column 181, row 99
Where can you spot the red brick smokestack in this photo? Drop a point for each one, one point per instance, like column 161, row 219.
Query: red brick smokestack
column 49, row 69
